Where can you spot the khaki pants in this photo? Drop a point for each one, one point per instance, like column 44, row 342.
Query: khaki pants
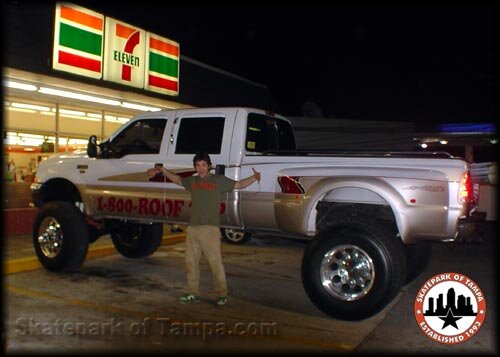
column 206, row 239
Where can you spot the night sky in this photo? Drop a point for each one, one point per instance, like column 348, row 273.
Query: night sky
column 427, row 64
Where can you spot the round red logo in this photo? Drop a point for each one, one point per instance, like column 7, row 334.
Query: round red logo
column 450, row 308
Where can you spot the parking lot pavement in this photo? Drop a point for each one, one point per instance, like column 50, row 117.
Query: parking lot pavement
column 132, row 305
column 117, row 304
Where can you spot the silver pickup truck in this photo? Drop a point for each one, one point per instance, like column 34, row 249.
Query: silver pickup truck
column 369, row 216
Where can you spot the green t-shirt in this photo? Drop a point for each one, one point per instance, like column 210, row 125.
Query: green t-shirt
column 206, row 197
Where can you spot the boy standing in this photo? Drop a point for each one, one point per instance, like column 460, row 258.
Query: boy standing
column 203, row 232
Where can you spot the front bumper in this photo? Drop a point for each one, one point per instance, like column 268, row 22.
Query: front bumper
column 471, row 228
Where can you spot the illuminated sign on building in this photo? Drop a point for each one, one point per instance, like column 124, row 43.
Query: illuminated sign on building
column 78, row 41
column 162, row 63
column 130, row 56
column 124, row 53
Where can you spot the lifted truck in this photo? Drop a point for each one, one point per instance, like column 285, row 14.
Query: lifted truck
column 370, row 216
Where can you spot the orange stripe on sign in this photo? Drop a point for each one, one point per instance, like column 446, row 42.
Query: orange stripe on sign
column 124, row 31
column 71, row 14
column 163, row 46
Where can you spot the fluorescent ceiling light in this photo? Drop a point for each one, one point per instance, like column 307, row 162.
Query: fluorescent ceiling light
column 86, row 97
column 29, row 106
column 22, row 110
column 113, row 119
column 79, row 96
column 72, row 112
column 79, row 117
column 140, row 107
column 94, row 115
column 18, row 85
column 31, row 136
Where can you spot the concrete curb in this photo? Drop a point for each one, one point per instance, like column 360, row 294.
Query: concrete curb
column 20, row 265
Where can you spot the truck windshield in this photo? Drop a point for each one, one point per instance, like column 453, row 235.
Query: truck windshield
column 265, row 133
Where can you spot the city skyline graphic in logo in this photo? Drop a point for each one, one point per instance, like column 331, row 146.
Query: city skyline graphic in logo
column 454, row 310
column 450, row 308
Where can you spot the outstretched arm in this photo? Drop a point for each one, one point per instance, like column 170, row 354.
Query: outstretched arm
column 248, row 181
column 171, row 176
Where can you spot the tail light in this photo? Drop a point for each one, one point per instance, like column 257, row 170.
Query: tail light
column 290, row 184
column 465, row 190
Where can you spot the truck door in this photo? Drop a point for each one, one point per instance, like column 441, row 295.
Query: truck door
column 117, row 185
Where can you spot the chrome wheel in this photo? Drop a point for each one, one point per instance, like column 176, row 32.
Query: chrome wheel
column 234, row 234
column 50, row 237
column 347, row 272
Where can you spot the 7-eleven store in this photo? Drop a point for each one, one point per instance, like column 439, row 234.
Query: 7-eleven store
column 70, row 72
column 87, row 73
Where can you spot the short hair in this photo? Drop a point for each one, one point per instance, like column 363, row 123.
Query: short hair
column 201, row 156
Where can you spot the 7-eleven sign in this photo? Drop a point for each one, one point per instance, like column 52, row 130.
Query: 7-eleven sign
column 125, row 48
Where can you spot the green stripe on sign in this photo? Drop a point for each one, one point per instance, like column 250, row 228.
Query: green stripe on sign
column 79, row 39
column 163, row 65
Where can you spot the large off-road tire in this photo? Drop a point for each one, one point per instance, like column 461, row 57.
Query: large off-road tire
column 352, row 271
column 137, row 240
column 60, row 236
column 235, row 236
column 418, row 257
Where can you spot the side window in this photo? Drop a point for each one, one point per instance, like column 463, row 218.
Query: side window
column 286, row 136
column 142, row 137
column 266, row 133
column 200, row 134
column 258, row 135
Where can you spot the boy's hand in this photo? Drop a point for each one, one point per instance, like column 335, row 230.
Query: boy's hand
column 152, row 172
column 256, row 174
